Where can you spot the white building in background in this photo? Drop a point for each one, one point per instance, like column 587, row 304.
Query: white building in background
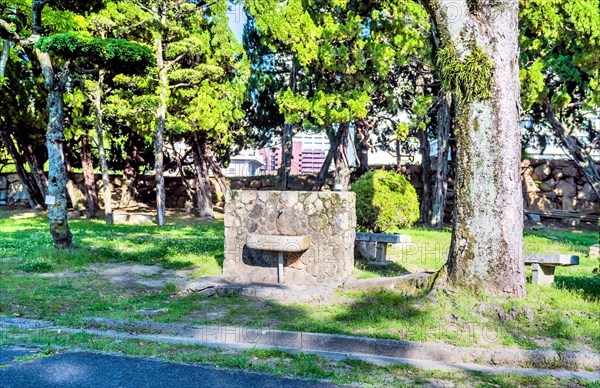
column 247, row 163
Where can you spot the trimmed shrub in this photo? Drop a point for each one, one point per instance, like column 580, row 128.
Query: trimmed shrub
column 385, row 200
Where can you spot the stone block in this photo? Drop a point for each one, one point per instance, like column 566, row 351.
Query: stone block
column 568, row 203
column 558, row 174
column 529, row 185
column 255, row 184
column 366, row 249
column 542, row 172
column 565, row 189
column 543, row 275
column 548, row 185
column 586, row 207
column 594, row 252
column 540, row 203
column 571, row 221
column 570, row 172
column 587, row 193
column 549, row 194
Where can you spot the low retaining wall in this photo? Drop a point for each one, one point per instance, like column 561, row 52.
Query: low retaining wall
column 547, row 185
column 13, row 193
column 329, row 218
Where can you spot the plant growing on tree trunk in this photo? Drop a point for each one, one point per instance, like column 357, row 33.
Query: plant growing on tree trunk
column 478, row 61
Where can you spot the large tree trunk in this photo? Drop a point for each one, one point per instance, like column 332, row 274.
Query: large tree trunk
column 363, row 128
column 217, row 170
column 287, row 145
column 287, row 151
column 441, row 171
column 188, row 189
column 487, row 240
column 75, row 195
column 129, row 190
column 577, row 151
column 107, row 195
column 55, row 138
column 341, row 181
column 36, row 197
column 36, row 168
column 322, row 176
column 425, row 150
column 89, row 178
column 4, row 55
column 203, row 187
column 161, row 116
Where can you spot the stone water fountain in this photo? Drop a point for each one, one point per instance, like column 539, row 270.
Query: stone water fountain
column 290, row 237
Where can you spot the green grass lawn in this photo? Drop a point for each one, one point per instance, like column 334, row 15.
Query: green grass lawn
column 39, row 282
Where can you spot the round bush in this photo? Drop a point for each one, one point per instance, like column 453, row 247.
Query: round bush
column 385, row 200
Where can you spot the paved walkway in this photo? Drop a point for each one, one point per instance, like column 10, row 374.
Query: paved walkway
column 88, row 369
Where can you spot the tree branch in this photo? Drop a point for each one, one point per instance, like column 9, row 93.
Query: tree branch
column 6, row 27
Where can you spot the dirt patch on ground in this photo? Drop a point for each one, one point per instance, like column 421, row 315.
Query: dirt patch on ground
column 150, row 277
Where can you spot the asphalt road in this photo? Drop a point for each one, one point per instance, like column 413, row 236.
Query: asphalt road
column 88, row 369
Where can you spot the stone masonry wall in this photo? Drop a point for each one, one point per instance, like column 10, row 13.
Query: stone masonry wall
column 329, row 218
column 557, row 185
column 13, row 193
column 547, row 185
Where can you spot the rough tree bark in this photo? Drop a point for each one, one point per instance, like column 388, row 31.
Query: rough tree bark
column 4, row 55
column 36, row 167
column 341, row 181
column 580, row 154
column 487, row 240
column 425, row 151
column 188, row 188
column 287, row 145
column 75, row 195
column 441, row 170
column 89, row 178
column 217, row 170
column 203, row 187
column 106, row 192
column 426, row 200
column 133, row 161
column 322, row 175
column 363, row 128
column 55, row 137
column 161, row 115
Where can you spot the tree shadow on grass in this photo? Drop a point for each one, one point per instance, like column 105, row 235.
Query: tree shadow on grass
column 588, row 286
column 392, row 269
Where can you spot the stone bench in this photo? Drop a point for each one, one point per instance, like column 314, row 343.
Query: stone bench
column 279, row 244
column 374, row 245
column 543, row 265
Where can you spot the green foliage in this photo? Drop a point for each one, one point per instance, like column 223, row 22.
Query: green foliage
column 471, row 78
column 344, row 52
column 117, row 55
column 559, row 42
column 385, row 201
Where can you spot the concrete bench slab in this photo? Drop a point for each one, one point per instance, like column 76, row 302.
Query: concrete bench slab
column 266, row 242
column 374, row 245
column 543, row 266
column 279, row 244
column 383, row 238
